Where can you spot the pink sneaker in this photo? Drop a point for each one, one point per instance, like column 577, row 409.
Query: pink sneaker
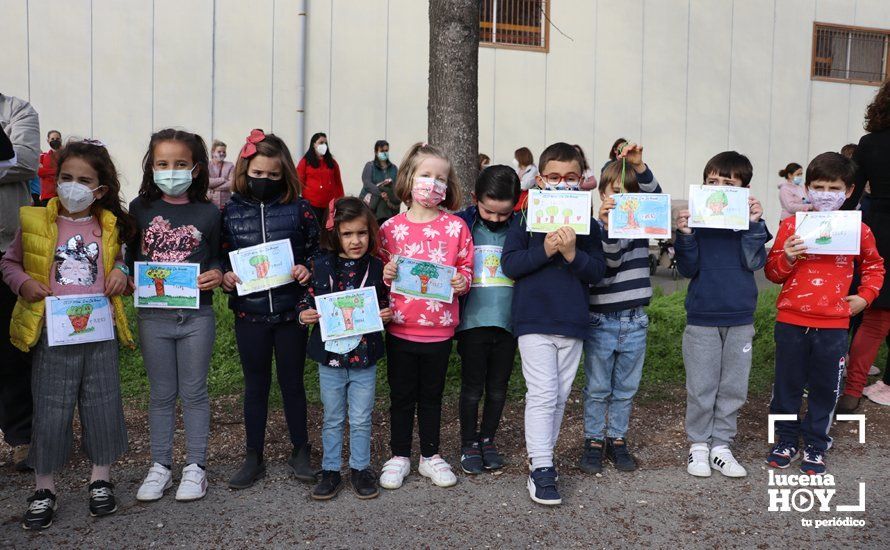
column 881, row 396
column 877, row 386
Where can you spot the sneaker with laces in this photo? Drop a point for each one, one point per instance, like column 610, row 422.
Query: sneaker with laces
column 591, row 461
column 698, row 463
column 193, row 485
column 364, row 483
column 329, row 486
column 618, row 453
column 437, row 470
column 41, row 509
column 542, row 486
column 394, row 472
column 491, row 458
column 158, row 480
column 813, row 462
column 723, row 461
column 102, row 501
column 471, row 458
column 783, row 454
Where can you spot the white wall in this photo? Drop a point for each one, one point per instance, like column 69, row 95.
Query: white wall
column 687, row 78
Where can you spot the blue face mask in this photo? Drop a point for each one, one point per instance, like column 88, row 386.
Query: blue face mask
column 382, row 156
column 797, row 180
column 173, row 183
column 562, row 186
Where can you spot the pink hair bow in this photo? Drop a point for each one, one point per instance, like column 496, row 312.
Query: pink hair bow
column 249, row 149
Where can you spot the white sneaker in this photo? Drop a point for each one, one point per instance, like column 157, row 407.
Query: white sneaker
column 193, row 485
column 394, row 472
column 877, row 386
column 873, row 371
column 697, row 464
column 723, row 461
column 437, row 470
column 158, row 480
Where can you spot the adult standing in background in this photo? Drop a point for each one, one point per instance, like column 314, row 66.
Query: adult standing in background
column 320, row 175
column 524, row 164
column 792, row 195
column 47, row 170
column 222, row 173
column 378, row 184
column 20, row 132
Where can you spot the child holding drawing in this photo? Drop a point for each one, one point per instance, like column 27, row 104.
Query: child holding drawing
column 552, row 272
column 418, row 341
column 72, row 247
column 177, row 223
column 347, row 367
column 718, row 340
column 813, row 316
column 266, row 208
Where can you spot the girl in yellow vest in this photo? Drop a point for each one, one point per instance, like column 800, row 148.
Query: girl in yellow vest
column 72, row 247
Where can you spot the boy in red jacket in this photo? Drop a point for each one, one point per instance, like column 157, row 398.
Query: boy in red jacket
column 813, row 318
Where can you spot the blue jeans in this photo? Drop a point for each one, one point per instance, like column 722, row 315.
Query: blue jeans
column 614, row 351
column 342, row 388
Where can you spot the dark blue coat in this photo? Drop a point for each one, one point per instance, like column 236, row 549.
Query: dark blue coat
column 246, row 222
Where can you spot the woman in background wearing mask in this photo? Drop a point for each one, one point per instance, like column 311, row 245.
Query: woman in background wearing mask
column 524, row 164
column 267, row 207
column 221, row 173
column 47, row 170
column 320, row 176
column 792, row 195
column 378, row 184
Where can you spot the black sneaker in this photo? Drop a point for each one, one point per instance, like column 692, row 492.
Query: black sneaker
column 592, row 458
column 41, row 509
column 102, row 501
column 619, row 454
column 364, row 483
column 491, row 458
column 471, row 458
column 329, row 486
column 542, row 486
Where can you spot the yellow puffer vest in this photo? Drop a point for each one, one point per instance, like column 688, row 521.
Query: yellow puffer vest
column 39, row 236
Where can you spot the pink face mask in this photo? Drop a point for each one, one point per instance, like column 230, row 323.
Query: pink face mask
column 429, row 192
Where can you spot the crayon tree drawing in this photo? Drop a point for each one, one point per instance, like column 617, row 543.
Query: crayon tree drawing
column 158, row 275
column 347, row 304
column 640, row 216
column 75, row 319
column 487, row 267
column 830, row 233
column 166, row 285
column 425, row 271
column 719, row 207
column 492, row 262
column 348, row 313
column 717, row 203
column 261, row 264
column 824, row 233
column 550, row 210
column 630, row 207
column 79, row 315
column 421, row 279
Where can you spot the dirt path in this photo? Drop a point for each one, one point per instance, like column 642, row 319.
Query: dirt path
column 657, row 506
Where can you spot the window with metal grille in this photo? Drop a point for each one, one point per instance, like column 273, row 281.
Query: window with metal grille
column 850, row 54
column 518, row 24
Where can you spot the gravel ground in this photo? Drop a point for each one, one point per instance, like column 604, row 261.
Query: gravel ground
column 658, row 506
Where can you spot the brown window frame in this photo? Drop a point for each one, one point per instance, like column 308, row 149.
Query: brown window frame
column 545, row 24
column 817, row 26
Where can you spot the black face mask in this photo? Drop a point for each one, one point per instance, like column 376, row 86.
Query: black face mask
column 265, row 189
column 494, row 227
column 55, row 143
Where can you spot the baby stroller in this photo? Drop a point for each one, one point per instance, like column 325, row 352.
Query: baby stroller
column 661, row 254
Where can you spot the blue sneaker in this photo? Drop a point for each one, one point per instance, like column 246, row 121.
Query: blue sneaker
column 542, row 486
column 813, row 461
column 783, row 454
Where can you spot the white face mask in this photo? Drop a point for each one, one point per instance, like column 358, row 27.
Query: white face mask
column 321, row 149
column 75, row 197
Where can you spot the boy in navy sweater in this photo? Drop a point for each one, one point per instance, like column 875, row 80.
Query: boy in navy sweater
column 717, row 342
column 551, row 272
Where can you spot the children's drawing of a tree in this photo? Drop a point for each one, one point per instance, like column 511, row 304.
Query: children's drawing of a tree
column 824, row 233
column 348, row 304
column 538, row 211
column 79, row 316
column 425, row 272
column 552, row 211
column 158, row 275
column 630, row 207
column 567, row 214
column 491, row 263
column 261, row 264
column 717, row 202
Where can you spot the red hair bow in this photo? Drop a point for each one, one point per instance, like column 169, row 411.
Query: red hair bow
column 332, row 211
column 249, row 149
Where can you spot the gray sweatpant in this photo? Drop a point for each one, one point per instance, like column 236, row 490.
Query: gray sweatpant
column 176, row 348
column 718, row 361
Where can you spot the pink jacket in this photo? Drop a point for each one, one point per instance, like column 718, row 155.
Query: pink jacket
column 221, row 179
column 792, row 198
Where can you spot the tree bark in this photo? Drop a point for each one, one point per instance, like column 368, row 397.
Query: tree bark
column 453, row 105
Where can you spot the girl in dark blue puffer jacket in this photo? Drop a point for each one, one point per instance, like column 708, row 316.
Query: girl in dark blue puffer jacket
column 267, row 207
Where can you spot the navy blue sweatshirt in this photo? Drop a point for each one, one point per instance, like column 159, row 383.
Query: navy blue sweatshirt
column 721, row 264
column 550, row 294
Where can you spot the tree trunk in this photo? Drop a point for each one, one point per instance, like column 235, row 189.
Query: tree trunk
column 453, row 117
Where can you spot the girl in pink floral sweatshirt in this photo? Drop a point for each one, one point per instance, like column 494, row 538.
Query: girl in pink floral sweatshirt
column 418, row 342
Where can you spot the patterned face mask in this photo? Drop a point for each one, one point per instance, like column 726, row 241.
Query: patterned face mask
column 429, row 192
column 826, row 201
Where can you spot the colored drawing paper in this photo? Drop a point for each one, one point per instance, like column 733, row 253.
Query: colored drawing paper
column 487, row 267
column 719, row 207
column 420, row 279
column 835, row 233
column 263, row 266
column 167, row 285
column 550, row 210
column 78, row 319
column 640, row 216
column 348, row 313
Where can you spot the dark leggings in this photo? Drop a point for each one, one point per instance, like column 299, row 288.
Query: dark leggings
column 486, row 356
column 416, row 375
column 256, row 344
column 15, row 379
